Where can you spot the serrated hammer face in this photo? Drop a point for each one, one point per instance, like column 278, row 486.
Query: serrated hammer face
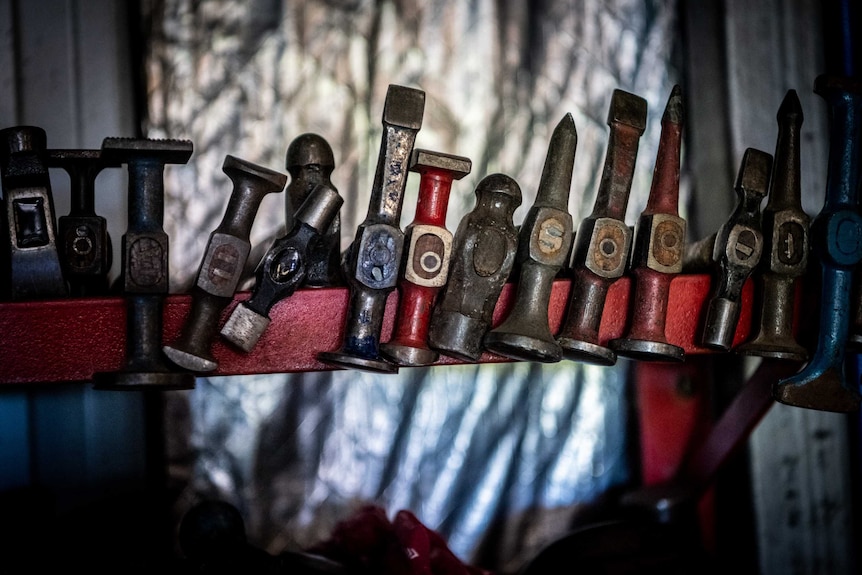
column 456, row 166
column 404, row 107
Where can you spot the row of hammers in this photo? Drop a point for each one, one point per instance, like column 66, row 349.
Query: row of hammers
column 449, row 284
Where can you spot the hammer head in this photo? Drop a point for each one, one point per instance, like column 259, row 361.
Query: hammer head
column 22, row 139
column 309, row 150
column 754, row 173
column 457, row 166
column 628, row 109
column 404, row 107
column 236, row 167
column 166, row 151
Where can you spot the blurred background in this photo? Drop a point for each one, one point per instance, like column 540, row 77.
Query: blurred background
column 502, row 459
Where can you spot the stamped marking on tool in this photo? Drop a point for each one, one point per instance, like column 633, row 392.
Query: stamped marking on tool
column 550, row 236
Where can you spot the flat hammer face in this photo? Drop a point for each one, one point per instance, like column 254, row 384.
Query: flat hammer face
column 34, row 269
column 836, row 237
column 375, row 255
column 658, row 248
column 543, row 244
column 603, row 242
column 426, row 262
column 483, row 255
column 223, row 262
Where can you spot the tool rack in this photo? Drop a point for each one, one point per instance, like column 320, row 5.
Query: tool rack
column 70, row 339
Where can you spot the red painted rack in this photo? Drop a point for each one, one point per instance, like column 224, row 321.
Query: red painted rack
column 69, row 340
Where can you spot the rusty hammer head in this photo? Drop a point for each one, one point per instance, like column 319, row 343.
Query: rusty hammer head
column 424, row 160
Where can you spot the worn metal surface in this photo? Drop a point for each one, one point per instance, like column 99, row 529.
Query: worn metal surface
column 544, row 241
column 223, row 262
column 144, row 279
column 836, row 238
column 483, row 250
column 283, row 268
column 310, row 161
column 602, row 243
column 31, row 256
column 659, row 245
column 241, row 77
column 737, row 248
column 425, row 268
column 786, row 244
column 373, row 260
column 84, row 244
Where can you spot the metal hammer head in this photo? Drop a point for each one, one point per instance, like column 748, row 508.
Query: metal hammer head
column 22, row 139
column 457, row 166
column 404, row 107
column 167, row 151
column 628, row 109
column 309, row 150
column 238, row 168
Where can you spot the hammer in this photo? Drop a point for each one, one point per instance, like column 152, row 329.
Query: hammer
column 145, row 264
column 836, row 240
column 374, row 257
column 426, row 260
column 223, row 262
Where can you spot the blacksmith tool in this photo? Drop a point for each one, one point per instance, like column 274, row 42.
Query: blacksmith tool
column 31, row 258
column 836, row 240
column 657, row 252
column 145, row 264
column 483, row 255
column 223, row 262
column 84, row 244
column 735, row 251
column 310, row 162
column 603, row 241
column 544, row 241
column 426, row 260
column 283, row 268
column 786, row 245
column 374, row 257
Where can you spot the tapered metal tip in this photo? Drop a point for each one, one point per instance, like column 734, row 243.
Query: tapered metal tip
column 556, row 181
column 754, row 173
column 404, row 107
column 628, row 109
column 790, row 109
column 674, row 112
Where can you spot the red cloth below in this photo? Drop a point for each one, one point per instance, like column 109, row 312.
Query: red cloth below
column 369, row 542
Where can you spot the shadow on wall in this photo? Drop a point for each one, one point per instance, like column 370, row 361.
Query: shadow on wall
column 519, row 447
